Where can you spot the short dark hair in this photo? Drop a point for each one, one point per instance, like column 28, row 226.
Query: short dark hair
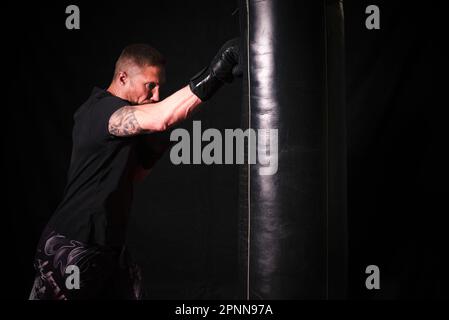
column 141, row 55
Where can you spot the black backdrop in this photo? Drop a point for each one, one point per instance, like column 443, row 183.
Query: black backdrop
column 398, row 165
column 184, row 224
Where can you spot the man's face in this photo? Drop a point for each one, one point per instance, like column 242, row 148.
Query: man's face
column 142, row 85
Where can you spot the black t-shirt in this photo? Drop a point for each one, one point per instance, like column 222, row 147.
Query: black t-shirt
column 97, row 198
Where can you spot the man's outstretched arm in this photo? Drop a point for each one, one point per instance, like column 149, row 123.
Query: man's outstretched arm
column 156, row 117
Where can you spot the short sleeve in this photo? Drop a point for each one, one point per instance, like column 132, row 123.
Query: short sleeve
column 100, row 112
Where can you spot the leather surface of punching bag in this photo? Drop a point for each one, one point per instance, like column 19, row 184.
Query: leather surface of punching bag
column 293, row 216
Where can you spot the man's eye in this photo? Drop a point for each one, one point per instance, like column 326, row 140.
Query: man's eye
column 151, row 85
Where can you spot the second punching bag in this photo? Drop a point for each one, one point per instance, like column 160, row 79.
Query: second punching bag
column 293, row 242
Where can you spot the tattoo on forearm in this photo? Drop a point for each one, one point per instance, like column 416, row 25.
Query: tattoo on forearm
column 124, row 123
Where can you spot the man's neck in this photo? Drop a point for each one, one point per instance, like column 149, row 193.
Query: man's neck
column 114, row 90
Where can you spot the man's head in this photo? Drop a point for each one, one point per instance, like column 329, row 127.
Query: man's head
column 139, row 71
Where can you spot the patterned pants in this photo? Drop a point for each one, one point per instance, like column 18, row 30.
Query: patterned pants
column 101, row 273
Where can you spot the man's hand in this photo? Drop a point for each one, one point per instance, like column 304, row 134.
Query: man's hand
column 221, row 70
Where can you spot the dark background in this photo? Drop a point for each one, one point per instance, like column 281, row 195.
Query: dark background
column 184, row 224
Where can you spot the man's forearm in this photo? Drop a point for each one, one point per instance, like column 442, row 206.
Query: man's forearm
column 170, row 111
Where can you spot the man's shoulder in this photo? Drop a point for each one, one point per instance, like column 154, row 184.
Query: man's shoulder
column 92, row 118
column 103, row 96
column 100, row 101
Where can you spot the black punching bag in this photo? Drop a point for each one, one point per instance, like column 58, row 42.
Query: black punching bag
column 293, row 234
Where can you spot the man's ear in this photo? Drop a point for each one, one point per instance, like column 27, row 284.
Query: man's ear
column 123, row 78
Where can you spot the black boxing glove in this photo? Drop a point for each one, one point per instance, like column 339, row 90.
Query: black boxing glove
column 223, row 68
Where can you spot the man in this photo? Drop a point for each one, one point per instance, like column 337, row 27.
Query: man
column 115, row 140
